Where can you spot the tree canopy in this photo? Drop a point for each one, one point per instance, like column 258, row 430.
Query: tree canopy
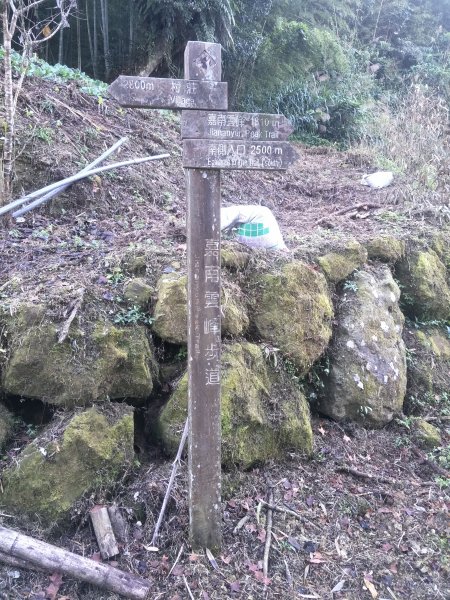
column 322, row 62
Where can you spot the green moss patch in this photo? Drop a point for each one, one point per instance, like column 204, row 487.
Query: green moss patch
column 338, row 265
column 293, row 310
column 425, row 290
column 259, row 422
column 170, row 313
column 386, row 248
column 138, row 292
column 89, row 453
column 86, row 367
column 6, row 425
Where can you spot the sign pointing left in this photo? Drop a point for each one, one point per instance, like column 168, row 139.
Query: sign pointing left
column 151, row 92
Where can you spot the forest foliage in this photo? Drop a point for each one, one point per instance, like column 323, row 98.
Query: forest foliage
column 325, row 64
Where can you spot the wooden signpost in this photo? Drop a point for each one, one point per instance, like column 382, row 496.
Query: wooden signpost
column 212, row 140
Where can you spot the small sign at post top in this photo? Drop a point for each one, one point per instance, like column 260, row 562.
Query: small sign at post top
column 152, row 92
column 234, row 126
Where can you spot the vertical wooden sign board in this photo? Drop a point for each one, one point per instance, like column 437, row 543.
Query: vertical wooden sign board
column 202, row 61
column 213, row 140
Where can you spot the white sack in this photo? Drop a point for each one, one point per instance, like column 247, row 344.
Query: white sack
column 378, row 180
column 253, row 225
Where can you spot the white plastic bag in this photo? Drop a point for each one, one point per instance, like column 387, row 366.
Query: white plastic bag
column 253, row 225
column 378, row 180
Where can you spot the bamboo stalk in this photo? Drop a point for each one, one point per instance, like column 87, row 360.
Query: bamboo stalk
column 77, row 177
column 61, row 189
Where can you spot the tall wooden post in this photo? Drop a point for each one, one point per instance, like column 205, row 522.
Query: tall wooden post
column 213, row 140
column 202, row 62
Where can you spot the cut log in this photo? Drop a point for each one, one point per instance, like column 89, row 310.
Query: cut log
column 104, row 532
column 119, row 524
column 54, row 559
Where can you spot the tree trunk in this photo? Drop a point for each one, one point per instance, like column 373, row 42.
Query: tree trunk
column 154, row 60
column 131, row 34
column 91, row 44
column 95, row 40
column 8, row 144
column 61, row 46
column 54, row 559
column 104, row 5
column 78, row 42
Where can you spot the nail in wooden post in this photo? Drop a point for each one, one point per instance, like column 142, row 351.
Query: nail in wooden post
column 202, row 62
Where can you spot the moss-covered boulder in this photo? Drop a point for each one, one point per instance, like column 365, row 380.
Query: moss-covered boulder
column 135, row 264
column 170, row 312
column 234, row 258
column 338, row 265
column 428, row 368
column 138, row 292
column 6, row 425
column 426, row 435
column 367, row 375
column 263, row 412
column 81, row 454
column 292, row 309
column 425, row 290
column 441, row 245
column 386, row 248
column 92, row 364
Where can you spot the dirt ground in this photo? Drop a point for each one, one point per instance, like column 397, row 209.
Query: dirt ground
column 366, row 516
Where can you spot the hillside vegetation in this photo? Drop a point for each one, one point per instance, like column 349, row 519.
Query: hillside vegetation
column 336, row 352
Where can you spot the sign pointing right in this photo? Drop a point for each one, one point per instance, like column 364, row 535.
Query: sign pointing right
column 215, row 125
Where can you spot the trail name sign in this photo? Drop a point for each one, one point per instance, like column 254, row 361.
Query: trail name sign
column 212, row 140
column 223, row 154
column 211, row 125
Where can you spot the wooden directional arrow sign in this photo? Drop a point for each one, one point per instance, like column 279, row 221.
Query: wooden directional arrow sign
column 151, row 92
column 234, row 126
column 223, row 154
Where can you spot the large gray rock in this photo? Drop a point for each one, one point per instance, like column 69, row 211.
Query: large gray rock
column 367, row 378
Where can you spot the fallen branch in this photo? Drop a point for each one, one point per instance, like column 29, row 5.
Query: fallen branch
column 65, row 328
column 188, row 588
column 282, row 509
column 362, row 475
column 176, row 463
column 77, row 177
column 77, row 113
column 180, row 552
column 61, row 189
column 118, row 523
column 51, row 558
column 364, row 205
column 268, row 534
